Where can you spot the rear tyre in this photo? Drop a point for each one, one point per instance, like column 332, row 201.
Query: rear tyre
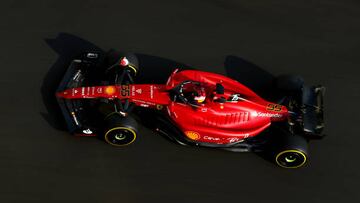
column 120, row 131
column 292, row 152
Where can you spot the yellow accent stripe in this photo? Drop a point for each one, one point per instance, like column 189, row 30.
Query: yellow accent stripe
column 132, row 67
column 292, row 150
column 119, row 128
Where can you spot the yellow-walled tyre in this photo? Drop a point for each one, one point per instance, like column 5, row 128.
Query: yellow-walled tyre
column 133, row 66
column 292, row 153
column 120, row 131
column 291, row 158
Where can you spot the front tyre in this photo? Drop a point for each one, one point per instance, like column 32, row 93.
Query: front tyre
column 133, row 65
column 120, row 131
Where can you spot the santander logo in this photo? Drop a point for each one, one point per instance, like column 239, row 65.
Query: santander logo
column 272, row 115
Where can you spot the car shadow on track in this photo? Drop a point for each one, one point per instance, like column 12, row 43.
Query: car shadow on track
column 251, row 75
column 154, row 69
column 67, row 46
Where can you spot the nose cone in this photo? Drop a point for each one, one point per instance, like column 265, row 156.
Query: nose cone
column 64, row 94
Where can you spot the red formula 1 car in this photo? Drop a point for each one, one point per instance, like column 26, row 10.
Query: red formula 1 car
column 98, row 95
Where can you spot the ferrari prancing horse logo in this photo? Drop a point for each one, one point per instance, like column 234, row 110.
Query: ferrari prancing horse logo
column 139, row 91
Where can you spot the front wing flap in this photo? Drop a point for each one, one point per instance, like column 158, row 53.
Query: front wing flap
column 73, row 110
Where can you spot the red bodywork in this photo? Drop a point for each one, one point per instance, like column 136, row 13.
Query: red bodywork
column 211, row 122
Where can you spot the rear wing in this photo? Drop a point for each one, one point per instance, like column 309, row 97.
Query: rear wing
column 313, row 110
column 306, row 109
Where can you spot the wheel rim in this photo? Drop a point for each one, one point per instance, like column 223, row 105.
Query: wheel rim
column 291, row 159
column 120, row 136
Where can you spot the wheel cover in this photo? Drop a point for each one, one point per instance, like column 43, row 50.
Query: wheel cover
column 291, row 158
column 120, row 136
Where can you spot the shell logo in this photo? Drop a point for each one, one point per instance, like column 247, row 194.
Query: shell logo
column 110, row 90
column 192, row 135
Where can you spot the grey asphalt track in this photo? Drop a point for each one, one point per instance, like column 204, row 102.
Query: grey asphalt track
column 40, row 163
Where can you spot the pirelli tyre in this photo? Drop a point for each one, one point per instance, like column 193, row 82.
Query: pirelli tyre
column 120, row 131
column 292, row 152
column 133, row 65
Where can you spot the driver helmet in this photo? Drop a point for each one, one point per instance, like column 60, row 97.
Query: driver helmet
column 124, row 61
column 200, row 95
